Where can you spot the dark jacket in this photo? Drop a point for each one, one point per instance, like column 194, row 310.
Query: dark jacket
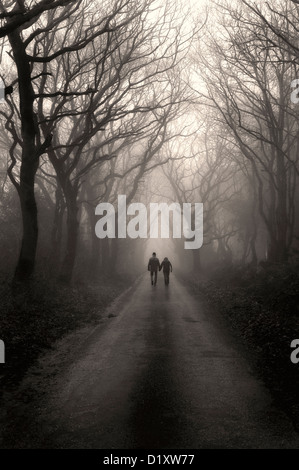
column 166, row 265
column 153, row 264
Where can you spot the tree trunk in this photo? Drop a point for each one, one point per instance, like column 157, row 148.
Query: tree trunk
column 95, row 251
column 56, row 235
column 26, row 261
column 72, row 236
column 281, row 213
column 30, row 160
column 246, row 244
column 253, row 252
column 278, row 217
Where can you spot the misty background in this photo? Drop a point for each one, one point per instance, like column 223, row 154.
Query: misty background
column 162, row 101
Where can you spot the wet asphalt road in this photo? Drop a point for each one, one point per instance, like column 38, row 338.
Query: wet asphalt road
column 164, row 373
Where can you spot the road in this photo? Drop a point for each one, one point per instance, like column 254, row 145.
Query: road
column 162, row 372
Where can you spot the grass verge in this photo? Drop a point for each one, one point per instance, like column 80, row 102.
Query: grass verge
column 34, row 316
column 263, row 309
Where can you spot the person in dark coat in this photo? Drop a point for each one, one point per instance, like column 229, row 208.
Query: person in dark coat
column 167, row 267
column 153, row 266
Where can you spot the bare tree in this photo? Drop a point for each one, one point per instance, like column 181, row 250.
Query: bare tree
column 73, row 82
column 248, row 83
column 205, row 173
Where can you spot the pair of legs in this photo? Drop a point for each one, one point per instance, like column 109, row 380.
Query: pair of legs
column 166, row 277
column 154, row 277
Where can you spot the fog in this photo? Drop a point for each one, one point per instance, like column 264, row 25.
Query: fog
column 159, row 111
column 133, row 127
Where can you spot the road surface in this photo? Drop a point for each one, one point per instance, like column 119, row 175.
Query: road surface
column 162, row 372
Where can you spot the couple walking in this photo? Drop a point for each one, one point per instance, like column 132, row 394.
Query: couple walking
column 154, row 265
